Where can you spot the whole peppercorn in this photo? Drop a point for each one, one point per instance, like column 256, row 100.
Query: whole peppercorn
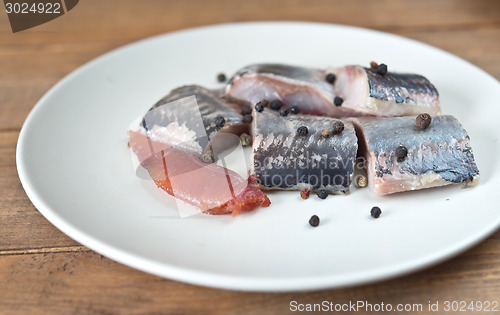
column 373, row 65
column 245, row 139
column 304, row 193
column 275, row 105
column 361, row 181
column 322, row 194
column 259, row 107
column 338, row 101
column 338, row 127
column 330, row 78
column 221, row 77
column 375, row 212
column 325, row 133
column 247, row 109
column 220, row 122
column 401, row 153
column 302, row 131
column 294, row 110
column 207, row 157
column 423, row 120
column 314, row 221
column 382, row 69
column 284, row 111
column 247, row 119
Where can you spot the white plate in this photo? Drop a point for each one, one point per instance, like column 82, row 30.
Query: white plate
column 74, row 164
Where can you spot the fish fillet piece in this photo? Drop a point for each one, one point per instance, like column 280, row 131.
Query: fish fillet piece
column 303, row 87
column 185, row 119
column 177, row 132
column 393, row 94
column 209, row 187
column 286, row 160
column 436, row 156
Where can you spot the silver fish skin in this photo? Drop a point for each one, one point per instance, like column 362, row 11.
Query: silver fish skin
column 303, row 87
column 392, row 94
column 285, row 160
column 175, row 120
column 438, row 155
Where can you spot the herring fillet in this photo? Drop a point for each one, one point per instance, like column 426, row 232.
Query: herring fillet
column 363, row 90
column 170, row 142
column 185, row 118
column 285, row 160
column 303, row 87
column 438, row 155
column 392, row 94
column 209, row 187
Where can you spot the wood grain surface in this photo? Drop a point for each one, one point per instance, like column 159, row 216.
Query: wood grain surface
column 44, row 271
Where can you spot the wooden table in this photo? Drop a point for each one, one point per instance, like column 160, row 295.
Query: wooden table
column 42, row 270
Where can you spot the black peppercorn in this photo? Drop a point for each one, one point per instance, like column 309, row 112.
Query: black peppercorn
column 314, row 221
column 338, row 127
column 423, row 120
column 220, row 122
column 247, row 119
column 330, row 78
column 382, row 69
column 375, row 212
column 259, row 107
column 247, row 109
column 401, row 153
column 302, row 131
column 322, row 194
column 276, row 105
column 338, row 101
column 294, row 110
column 221, row 77
column 284, row 111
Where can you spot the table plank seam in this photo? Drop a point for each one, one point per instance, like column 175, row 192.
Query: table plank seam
column 12, row 129
column 436, row 28
column 145, row 32
column 48, row 250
